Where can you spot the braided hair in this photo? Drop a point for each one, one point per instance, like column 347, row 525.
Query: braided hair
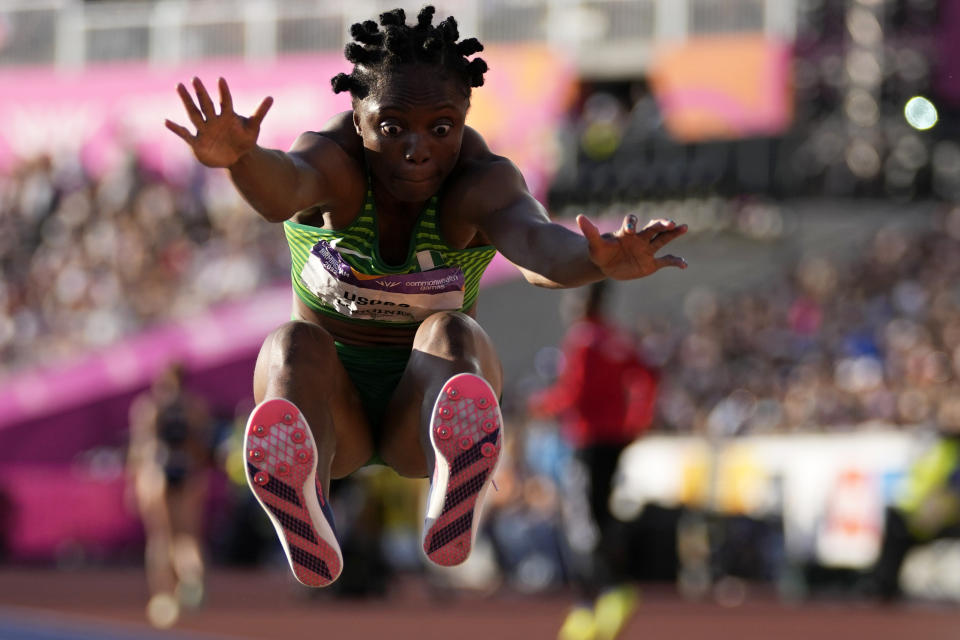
column 375, row 52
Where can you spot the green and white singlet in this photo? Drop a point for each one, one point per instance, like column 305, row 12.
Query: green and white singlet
column 341, row 273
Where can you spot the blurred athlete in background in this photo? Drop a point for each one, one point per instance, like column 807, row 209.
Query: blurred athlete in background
column 170, row 456
column 926, row 507
column 604, row 396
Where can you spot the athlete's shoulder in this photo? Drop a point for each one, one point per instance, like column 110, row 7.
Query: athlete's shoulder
column 335, row 156
column 479, row 166
column 483, row 182
column 337, row 138
column 474, row 149
column 335, row 153
column 341, row 130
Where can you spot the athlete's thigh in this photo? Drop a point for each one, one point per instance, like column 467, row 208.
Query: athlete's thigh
column 186, row 504
column 445, row 344
column 299, row 362
column 150, row 490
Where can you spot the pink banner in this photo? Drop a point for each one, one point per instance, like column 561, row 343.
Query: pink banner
column 723, row 87
column 55, row 511
column 102, row 112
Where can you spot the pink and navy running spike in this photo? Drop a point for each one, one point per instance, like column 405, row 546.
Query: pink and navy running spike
column 281, row 458
column 466, row 435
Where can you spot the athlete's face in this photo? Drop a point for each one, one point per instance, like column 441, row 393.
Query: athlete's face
column 412, row 129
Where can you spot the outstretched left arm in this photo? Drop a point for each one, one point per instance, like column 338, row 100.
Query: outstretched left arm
column 549, row 254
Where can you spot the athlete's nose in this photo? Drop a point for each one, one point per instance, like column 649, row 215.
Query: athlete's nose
column 416, row 150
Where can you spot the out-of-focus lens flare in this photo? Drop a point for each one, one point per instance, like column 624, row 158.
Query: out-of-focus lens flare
column 920, row 113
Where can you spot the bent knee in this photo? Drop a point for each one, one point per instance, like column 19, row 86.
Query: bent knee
column 452, row 332
column 459, row 340
column 301, row 342
column 446, row 321
column 291, row 349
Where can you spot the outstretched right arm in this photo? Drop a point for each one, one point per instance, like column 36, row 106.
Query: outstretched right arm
column 275, row 183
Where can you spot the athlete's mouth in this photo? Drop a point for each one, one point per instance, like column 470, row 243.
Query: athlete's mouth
column 417, row 179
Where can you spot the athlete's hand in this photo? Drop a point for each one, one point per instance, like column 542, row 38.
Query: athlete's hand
column 628, row 253
column 221, row 138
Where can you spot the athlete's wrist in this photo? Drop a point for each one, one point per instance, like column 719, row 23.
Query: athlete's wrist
column 243, row 160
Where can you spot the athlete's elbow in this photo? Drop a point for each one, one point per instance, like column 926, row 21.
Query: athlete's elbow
column 540, row 280
column 275, row 215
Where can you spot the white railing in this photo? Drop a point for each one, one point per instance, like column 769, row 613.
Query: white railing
column 602, row 34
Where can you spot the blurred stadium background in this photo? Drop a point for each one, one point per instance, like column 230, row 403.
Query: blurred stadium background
column 809, row 354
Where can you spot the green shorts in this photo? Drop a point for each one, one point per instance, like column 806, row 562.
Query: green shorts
column 375, row 372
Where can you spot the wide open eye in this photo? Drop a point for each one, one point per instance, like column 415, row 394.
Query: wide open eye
column 390, row 129
column 441, row 130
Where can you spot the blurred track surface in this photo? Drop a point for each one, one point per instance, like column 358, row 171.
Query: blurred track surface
column 108, row 605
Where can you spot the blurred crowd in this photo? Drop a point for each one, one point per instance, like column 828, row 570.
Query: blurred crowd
column 88, row 259
column 875, row 339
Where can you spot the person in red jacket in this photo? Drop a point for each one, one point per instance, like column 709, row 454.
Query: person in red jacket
column 604, row 397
